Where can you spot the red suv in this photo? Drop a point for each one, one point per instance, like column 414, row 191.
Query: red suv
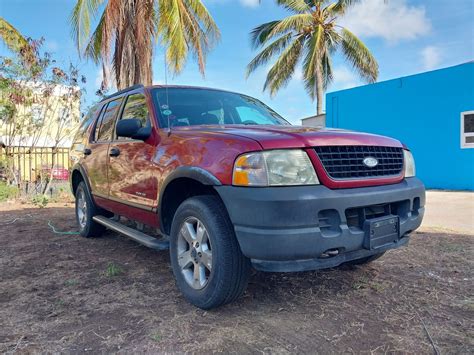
column 226, row 183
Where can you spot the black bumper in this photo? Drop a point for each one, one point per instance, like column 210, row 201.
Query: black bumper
column 292, row 228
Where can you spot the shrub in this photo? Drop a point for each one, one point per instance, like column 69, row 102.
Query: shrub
column 40, row 200
column 7, row 192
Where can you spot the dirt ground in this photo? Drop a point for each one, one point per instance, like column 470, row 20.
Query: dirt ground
column 63, row 293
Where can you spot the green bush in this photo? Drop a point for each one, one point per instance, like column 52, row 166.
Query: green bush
column 7, row 192
column 40, row 201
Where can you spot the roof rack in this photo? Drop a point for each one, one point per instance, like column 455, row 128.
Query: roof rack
column 130, row 88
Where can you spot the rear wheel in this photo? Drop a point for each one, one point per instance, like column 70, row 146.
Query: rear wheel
column 207, row 262
column 365, row 260
column 85, row 210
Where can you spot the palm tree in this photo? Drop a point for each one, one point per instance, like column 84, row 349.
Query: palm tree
column 129, row 29
column 13, row 39
column 310, row 34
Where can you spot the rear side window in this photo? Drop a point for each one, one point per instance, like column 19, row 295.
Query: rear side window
column 105, row 126
column 86, row 122
column 136, row 107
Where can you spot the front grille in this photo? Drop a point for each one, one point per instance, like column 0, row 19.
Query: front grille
column 346, row 162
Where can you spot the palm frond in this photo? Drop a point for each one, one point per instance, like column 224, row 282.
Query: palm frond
column 93, row 48
column 359, row 56
column 173, row 35
column 339, row 7
column 313, row 54
column 298, row 6
column 268, row 52
column 294, row 23
column 82, row 14
column 13, row 39
column 281, row 72
column 260, row 35
column 186, row 26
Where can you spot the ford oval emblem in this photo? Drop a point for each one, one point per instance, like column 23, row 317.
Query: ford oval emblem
column 370, row 162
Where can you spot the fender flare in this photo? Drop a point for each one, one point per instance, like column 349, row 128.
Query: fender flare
column 191, row 172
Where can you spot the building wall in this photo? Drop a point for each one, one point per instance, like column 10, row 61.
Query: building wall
column 314, row 121
column 45, row 120
column 423, row 111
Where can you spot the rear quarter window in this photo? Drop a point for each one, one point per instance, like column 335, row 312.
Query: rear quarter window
column 82, row 135
column 106, row 123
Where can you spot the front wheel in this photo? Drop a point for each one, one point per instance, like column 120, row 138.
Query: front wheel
column 206, row 259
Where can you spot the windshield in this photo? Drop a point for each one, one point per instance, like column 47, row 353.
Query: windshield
column 192, row 107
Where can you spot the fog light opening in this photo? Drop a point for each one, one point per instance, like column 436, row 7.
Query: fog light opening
column 329, row 253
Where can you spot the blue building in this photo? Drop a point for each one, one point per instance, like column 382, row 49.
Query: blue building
column 432, row 113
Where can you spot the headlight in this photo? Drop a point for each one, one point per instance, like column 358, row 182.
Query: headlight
column 409, row 163
column 274, row 168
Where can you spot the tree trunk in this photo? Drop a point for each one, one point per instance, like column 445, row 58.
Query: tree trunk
column 319, row 90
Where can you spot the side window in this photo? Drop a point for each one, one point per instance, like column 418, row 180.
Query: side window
column 467, row 129
column 81, row 135
column 136, row 107
column 105, row 125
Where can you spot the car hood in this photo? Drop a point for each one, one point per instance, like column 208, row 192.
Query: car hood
column 276, row 137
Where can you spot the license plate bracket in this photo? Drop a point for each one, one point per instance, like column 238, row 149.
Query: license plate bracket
column 381, row 231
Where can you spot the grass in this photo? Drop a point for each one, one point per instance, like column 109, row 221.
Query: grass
column 113, row 270
column 7, row 192
column 364, row 283
column 70, row 283
column 156, row 337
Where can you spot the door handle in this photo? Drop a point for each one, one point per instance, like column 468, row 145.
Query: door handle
column 114, row 152
column 87, row 151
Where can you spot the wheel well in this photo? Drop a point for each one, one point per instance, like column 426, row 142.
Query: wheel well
column 76, row 179
column 175, row 193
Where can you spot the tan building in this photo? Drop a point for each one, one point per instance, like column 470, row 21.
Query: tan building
column 38, row 135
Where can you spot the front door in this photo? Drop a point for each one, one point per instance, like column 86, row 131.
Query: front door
column 97, row 154
column 132, row 179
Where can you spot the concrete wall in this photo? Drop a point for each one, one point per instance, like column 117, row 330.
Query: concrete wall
column 423, row 111
column 314, row 121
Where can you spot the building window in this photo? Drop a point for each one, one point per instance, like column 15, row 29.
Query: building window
column 64, row 116
column 37, row 114
column 467, row 129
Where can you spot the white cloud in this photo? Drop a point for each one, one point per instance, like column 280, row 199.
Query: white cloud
column 392, row 20
column 250, row 3
column 431, row 57
column 344, row 78
column 298, row 74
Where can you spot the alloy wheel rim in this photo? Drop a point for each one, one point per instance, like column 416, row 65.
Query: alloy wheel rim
column 194, row 253
column 81, row 209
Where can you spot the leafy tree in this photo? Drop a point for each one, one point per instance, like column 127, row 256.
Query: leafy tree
column 311, row 34
column 124, row 38
column 39, row 107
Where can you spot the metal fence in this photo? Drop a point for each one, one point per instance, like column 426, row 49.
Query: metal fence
column 33, row 167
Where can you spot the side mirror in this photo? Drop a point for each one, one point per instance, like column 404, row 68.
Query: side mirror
column 132, row 128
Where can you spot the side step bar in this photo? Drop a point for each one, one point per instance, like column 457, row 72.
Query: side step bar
column 137, row 236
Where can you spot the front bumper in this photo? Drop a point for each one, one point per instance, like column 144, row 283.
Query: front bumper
column 292, row 228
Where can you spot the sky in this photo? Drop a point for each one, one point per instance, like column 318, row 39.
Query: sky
column 405, row 36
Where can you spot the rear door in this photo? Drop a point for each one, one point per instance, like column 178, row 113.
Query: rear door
column 97, row 157
column 132, row 177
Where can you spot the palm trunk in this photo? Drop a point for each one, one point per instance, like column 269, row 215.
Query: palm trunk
column 319, row 90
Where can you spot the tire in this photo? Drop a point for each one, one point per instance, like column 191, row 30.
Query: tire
column 366, row 260
column 220, row 278
column 85, row 210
